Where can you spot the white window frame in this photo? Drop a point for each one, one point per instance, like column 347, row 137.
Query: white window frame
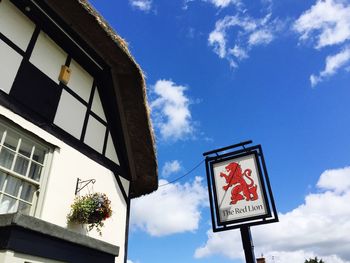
column 39, row 193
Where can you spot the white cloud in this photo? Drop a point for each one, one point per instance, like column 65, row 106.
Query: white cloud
column 327, row 23
column 320, row 226
column 268, row 4
column 170, row 168
column 219, row 3
column 234, row 36
column 333, row 64
column 335, row 180
column 217, row 245
column 170, row 111
column 239, row 52
column 298, row 256
column 143, row 5
column 260, row 37
column 225, row 3
column 217, row 39
column 174, row 208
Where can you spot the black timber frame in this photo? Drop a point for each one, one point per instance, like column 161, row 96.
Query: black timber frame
column 79, row 50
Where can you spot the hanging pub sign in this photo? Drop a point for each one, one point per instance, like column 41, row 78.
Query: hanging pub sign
column 239, row 189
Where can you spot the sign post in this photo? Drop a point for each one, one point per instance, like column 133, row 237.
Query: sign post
column 239, row 190
column 248, row 246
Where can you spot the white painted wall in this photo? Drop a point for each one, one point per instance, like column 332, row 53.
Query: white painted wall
column 126, row 184
column 48, row 57
column 56, row 197
column 15, row 25
column 13, row 257
column 95, row 134
column 3, row 256
column 97, row 106
column 80, row 81
column 70, row 114
column 110, row 150
column 10, row 61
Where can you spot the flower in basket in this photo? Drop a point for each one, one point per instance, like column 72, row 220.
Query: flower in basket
column 91, row 209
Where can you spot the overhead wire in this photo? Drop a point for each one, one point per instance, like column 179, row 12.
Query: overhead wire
column 179, row 178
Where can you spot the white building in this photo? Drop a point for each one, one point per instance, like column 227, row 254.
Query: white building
column 94, row 125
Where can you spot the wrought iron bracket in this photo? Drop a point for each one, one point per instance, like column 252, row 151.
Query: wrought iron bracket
column 82, row 184
column 241, row 144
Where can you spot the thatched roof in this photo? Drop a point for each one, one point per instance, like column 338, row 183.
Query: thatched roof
column 129, row 84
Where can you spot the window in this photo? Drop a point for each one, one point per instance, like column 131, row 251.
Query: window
column 22, row 163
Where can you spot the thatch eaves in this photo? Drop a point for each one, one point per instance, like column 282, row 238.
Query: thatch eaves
column 129, row 84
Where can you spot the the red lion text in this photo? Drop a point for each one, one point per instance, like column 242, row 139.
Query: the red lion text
column 241, row 189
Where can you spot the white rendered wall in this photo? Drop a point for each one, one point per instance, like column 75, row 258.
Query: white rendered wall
column 13, row 257
column 110, row 150
column 97, row 106
column 8, row 70
column 3, row 255
column 48, row 57
column 15, row 25
column 126, row 184
column 67, row 165
column 94, row 136
column 80, row 81
column 70, row 114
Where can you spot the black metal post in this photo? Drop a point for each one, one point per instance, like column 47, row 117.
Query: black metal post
column 247, row 244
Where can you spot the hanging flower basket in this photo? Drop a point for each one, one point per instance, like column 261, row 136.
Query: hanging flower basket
column 91, row 209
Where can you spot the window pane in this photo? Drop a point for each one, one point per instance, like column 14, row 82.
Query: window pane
column 25, row 148
column 6, row 158
column 11, row 141
column 12, row 185
column 21, row 165
column 2, row 179
column 24, row 208
column 27, row 192
column 8, row 205
column 35, row 171
column 39, row 154
column 1, row 132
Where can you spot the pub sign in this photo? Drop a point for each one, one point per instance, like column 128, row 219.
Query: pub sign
column 239, row 188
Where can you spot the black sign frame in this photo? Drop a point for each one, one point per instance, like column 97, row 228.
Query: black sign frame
column 271, row 216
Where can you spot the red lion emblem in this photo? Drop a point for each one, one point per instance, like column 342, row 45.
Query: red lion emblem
column 241, row 188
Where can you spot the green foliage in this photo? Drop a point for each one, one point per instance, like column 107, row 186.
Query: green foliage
column 315, row 260
column 91, row 209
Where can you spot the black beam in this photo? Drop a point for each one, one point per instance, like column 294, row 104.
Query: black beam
column 227, row 147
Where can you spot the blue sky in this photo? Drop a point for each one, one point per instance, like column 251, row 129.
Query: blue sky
column 224, row 71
